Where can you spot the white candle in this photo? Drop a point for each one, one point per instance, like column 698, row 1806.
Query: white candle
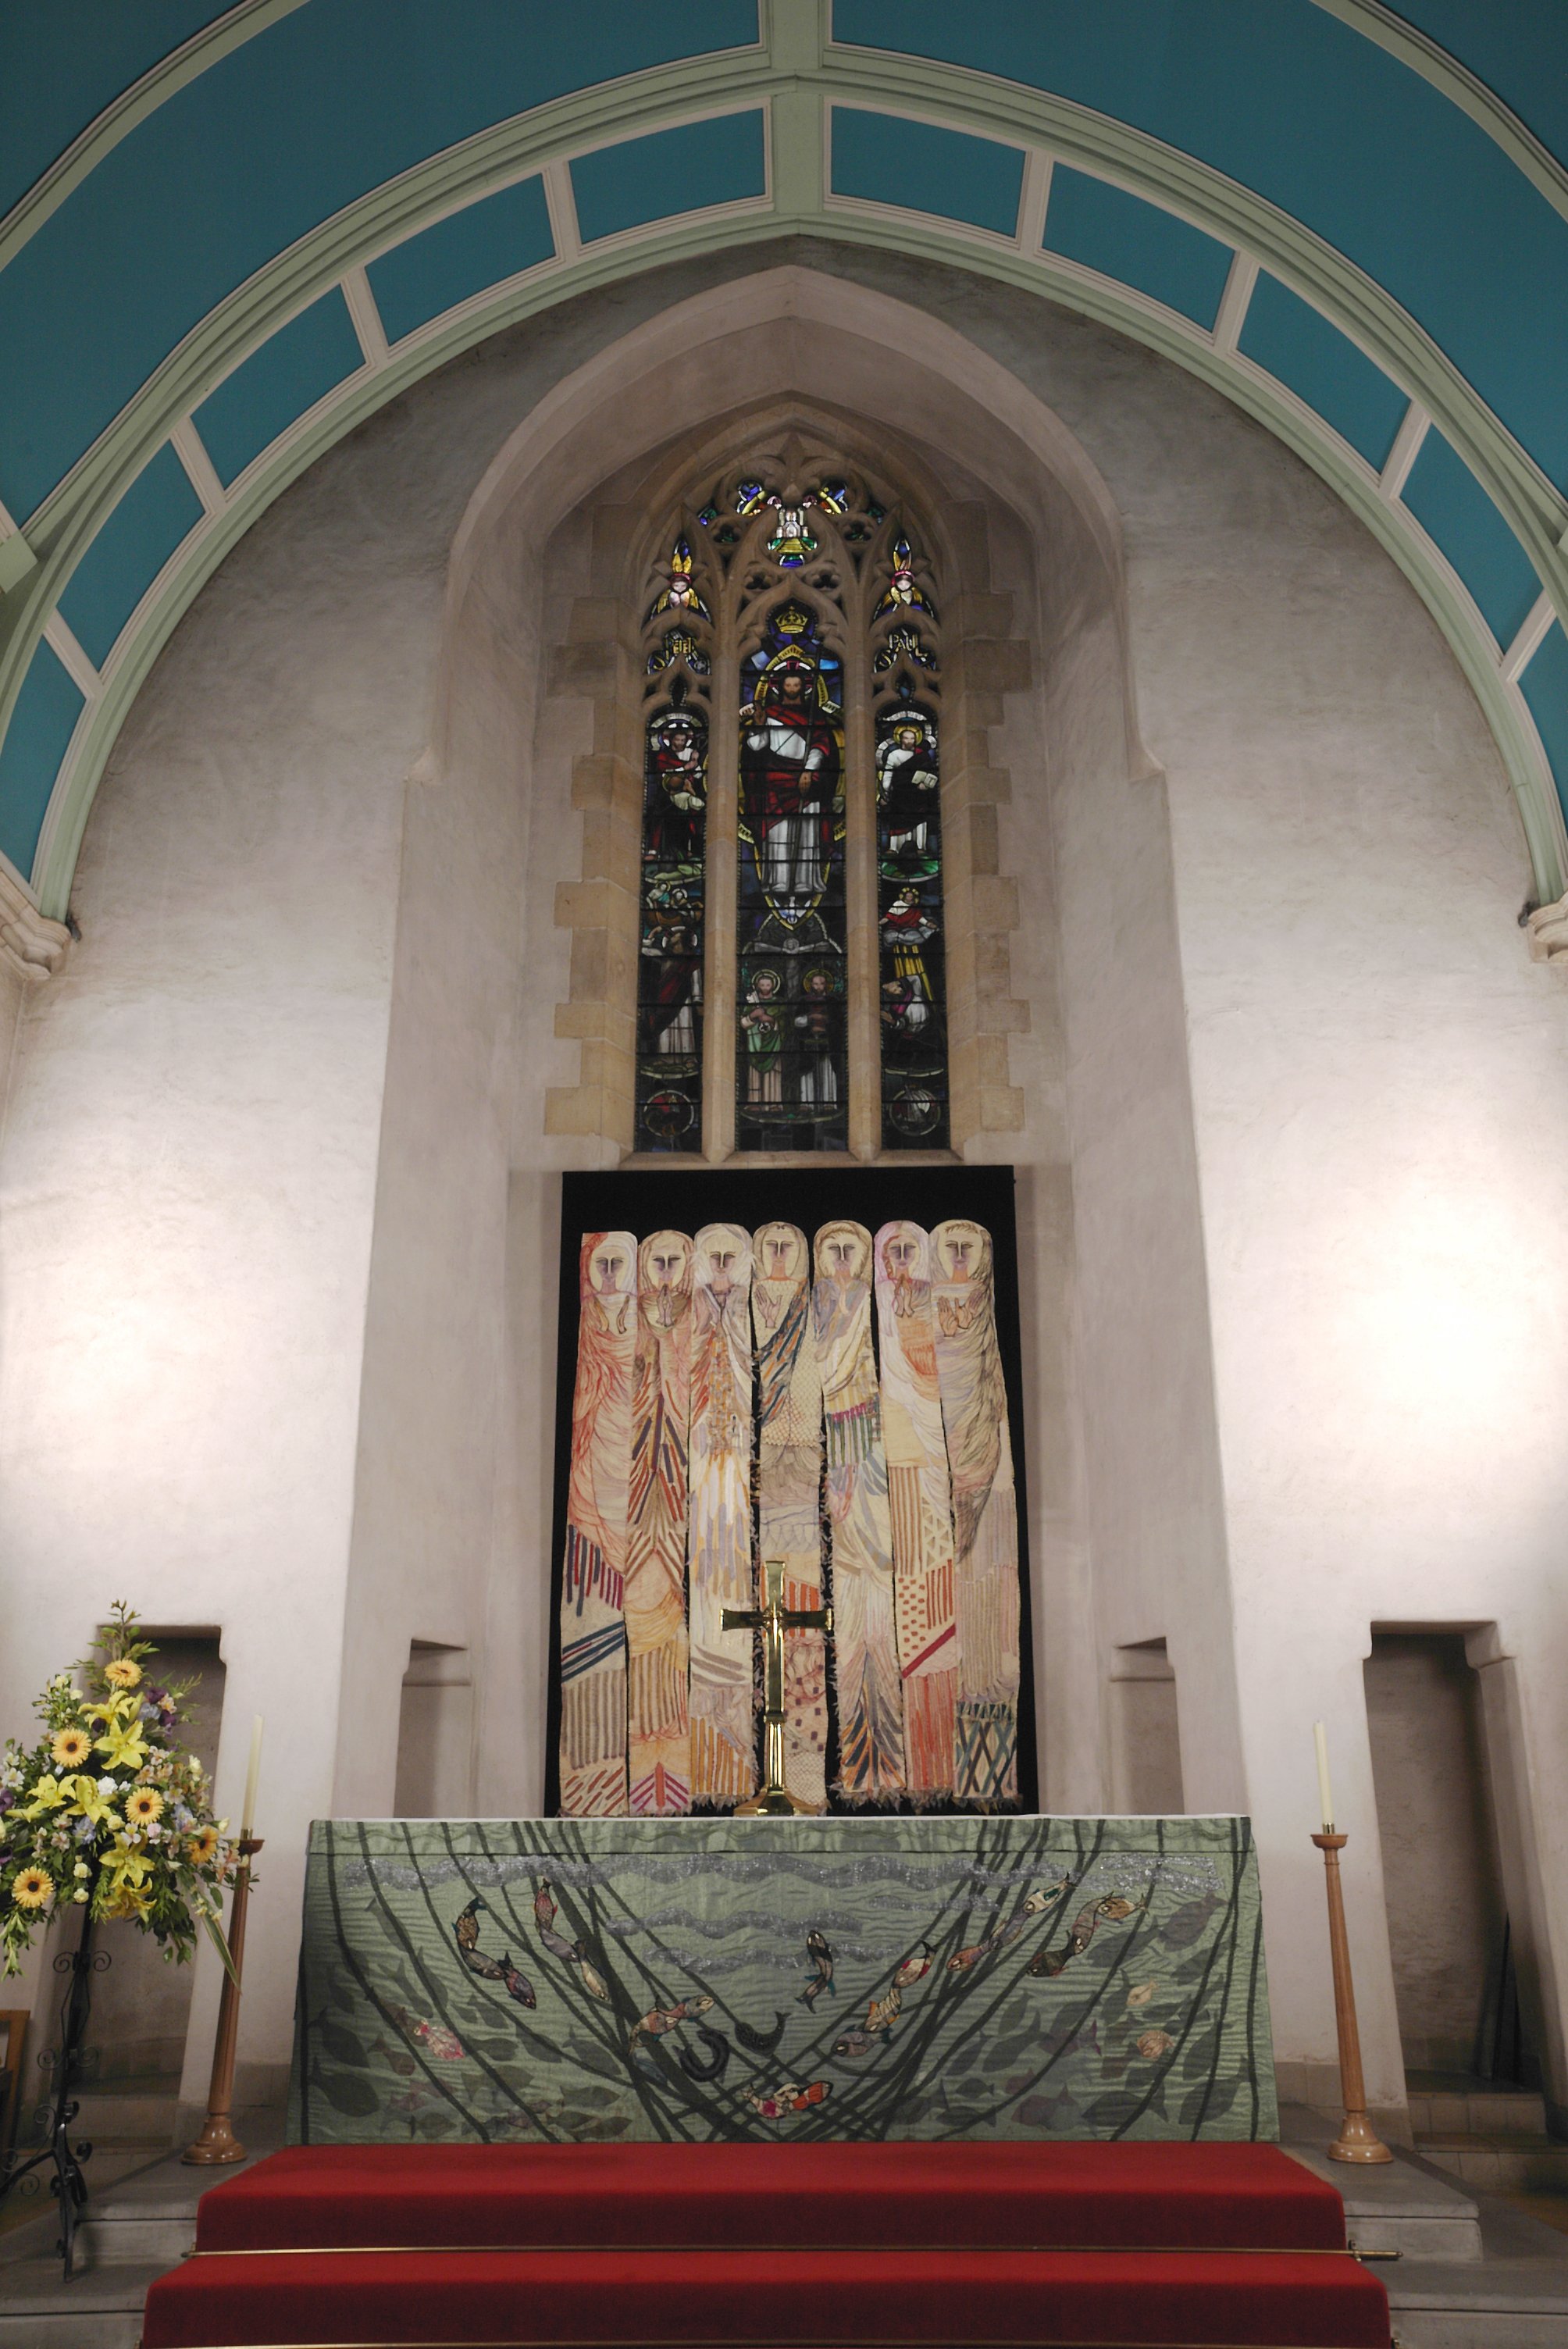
column 1325, row 1796
column 248, row 1817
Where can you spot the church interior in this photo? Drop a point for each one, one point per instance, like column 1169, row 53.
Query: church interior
column 784, row 1168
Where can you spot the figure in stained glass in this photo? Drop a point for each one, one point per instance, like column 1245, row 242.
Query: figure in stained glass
column 902, row 593
column 816, row 1028
column 791, row 783
column 793, row 1087
column 910, row 928
column 679, row 594
column 672, row 924
column 762, row 1028
column 678, row 799
column 906, row 795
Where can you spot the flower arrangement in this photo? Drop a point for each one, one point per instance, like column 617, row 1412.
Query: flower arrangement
column 106, row 1812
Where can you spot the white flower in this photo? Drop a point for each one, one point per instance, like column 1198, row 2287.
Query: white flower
column 81, row 1893
column 81, row 1868
column 108, row 1789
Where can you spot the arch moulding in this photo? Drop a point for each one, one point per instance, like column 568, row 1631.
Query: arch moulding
column 542, row 612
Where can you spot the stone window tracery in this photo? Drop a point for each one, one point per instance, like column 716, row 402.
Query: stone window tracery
column 790, row 658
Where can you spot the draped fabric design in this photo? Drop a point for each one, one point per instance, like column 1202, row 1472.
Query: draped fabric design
column 593, row 1587
column 920, row 1501
column 658, row 1735
column 871, row 1699
column 788, row 1486
column 985, row 1512
column 737, row 1373
column 718, row 1533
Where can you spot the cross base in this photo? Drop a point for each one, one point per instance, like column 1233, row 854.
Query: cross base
column 774, row 1803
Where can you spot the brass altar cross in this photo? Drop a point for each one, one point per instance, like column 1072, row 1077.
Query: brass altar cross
column 773, row 1621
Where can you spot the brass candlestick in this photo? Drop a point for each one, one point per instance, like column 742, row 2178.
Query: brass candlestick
column 1358, row 2139
column 217, row 2142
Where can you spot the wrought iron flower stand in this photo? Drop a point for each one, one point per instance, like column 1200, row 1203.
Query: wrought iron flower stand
column 68, row 2184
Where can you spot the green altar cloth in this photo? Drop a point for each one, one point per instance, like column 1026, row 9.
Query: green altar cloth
column 875, row 1977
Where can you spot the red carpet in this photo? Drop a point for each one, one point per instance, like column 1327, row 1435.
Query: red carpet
column 823, row 2244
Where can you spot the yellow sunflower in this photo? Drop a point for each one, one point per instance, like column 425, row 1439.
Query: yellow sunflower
column 71, row 1747
column 143, row 1807
column 34, row 1888
column 203, row 1845
column 122, row 1673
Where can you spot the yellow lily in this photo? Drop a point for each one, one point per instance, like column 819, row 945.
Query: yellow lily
column 91, row 1803
column 49, row 1794
column 125, row 1902
column 129, row 1869
column 113, row 1709
column 124, row 1747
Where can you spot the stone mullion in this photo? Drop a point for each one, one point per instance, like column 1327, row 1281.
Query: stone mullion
column 862, row 1024
column 721, row 918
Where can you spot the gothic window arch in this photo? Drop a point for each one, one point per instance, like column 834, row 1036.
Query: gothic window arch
column 791, row 989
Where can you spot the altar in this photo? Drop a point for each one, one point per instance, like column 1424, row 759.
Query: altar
column 555, row 1980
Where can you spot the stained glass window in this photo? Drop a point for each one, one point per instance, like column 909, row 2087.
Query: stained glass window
column 768, row 581
column 912, row 945
column 673, row 879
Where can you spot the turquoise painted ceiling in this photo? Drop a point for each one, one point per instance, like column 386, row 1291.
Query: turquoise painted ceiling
column 233, row 230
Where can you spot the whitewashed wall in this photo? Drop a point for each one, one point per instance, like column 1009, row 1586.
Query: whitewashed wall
column 272, row 1150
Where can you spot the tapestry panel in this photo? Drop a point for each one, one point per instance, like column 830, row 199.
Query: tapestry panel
column 778, row 1389
column 844, row 1978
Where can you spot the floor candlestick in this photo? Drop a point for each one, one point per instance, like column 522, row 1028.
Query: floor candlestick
column 217, row 2142
column 1358, row 2139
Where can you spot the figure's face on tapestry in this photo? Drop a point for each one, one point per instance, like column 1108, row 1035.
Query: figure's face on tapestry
column 664, row 1262
column 722, row 1260
column 963, row 1250
column 780, row 1252
column 905, row 1251
column 843, row 1252
column 609, row 1263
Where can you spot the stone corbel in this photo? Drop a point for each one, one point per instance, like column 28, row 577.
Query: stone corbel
column 1548, row 929
column 32, row 947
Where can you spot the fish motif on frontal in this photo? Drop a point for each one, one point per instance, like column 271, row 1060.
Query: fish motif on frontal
column 593, row 1983
column 883, row 2012
column 438, row 2041
column 466, row 1933
column 791, row 2097
column 914, row 1967
column 821, row 1957
column 1002, row 1938
column 1114, row 1908
column 660, row 2019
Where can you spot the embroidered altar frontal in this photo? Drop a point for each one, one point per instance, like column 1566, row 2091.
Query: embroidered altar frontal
column 782, row 1980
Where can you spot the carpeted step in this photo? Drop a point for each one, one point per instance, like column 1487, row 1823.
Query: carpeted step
column 792, row 2299
column 1015, row 2194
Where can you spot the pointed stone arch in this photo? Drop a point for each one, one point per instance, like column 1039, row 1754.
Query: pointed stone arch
column 1021, row 525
